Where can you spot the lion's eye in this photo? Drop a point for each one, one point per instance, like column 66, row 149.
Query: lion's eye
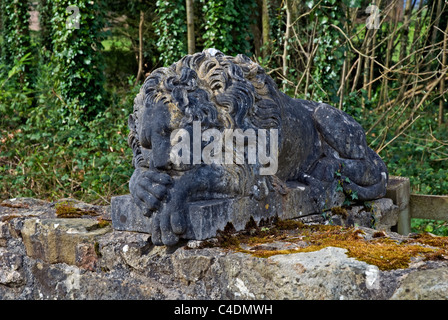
column 145, row 139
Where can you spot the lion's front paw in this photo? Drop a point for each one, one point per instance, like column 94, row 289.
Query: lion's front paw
column 148, row 189
column 167, row 226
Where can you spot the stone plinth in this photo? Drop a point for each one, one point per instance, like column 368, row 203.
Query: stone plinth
column 399, row 190
column 213, row 215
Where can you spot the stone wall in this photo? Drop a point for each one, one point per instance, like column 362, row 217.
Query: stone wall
column 43, row 256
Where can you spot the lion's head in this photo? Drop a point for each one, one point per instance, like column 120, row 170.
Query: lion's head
column 220, row 91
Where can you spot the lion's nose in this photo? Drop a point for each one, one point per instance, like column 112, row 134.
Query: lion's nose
column 165, row 167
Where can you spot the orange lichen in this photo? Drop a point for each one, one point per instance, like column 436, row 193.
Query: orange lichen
column 381, row 250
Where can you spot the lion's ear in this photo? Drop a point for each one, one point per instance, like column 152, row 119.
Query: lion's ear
column 131, row 122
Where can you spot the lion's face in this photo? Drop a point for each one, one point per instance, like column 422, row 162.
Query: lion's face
column 162, row 119
column 156, row 126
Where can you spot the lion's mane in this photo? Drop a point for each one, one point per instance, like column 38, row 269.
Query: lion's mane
column 238, row 92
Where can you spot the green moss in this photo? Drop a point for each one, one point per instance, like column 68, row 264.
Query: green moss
column 288, row 224
column 340, row 211
column 431, row 240
column 102, row 223
column 379, row 234
column 65, row 209
column 96, row 247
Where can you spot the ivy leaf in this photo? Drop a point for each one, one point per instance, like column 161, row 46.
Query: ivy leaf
column 309, row 3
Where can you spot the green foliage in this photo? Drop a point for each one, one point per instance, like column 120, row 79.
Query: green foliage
column 329, row 58
column 121, row 45
column 47, row 158
column 66, row 137
column 15, row 32
column 16, row 41
column 171, row 29
column 45, row 14
column 77, row 59
column 436, row 227
column 14, row 98
column 226, row 25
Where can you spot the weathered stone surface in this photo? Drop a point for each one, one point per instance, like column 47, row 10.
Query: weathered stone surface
column 381, row 214
column 424, row 285
column 62, row 240
column 205, row 218
column 386, row 214
column 399, row 190
column 327, row 274
column 127, row 216
column 11, row 272
column 110, row 264
column 429, row 207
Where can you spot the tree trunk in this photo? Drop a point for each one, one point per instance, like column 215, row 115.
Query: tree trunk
column 190, row 27
column 372, row 65
column 389, row 53
column 436, row 22
column 366, row 68
column 442, row 82
column 285, row 45
column 404, row 36
column 140, row 47
column 265, row 29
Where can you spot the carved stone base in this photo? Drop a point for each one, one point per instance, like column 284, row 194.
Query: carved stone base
column 205, row 218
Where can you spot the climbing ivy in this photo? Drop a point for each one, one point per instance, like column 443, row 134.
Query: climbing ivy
column 16, row 37
column 77, row 57
column 226, row 25
column 45, row 15
column 329, row 58
column 171, row 29
column 222, row 24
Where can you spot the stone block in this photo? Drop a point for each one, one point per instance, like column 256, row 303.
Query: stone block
column 386, row 214
column 61, row 240
column 429, row 207
column 399, row 190
column 205, row 218
column 127, row 216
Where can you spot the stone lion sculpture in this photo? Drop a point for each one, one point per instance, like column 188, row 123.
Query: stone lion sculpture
column 314, row 140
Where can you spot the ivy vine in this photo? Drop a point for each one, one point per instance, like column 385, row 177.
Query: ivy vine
column 329, row 58
column 226, row 25
column 76, row 55
column 171, row 29
column 16, row 36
